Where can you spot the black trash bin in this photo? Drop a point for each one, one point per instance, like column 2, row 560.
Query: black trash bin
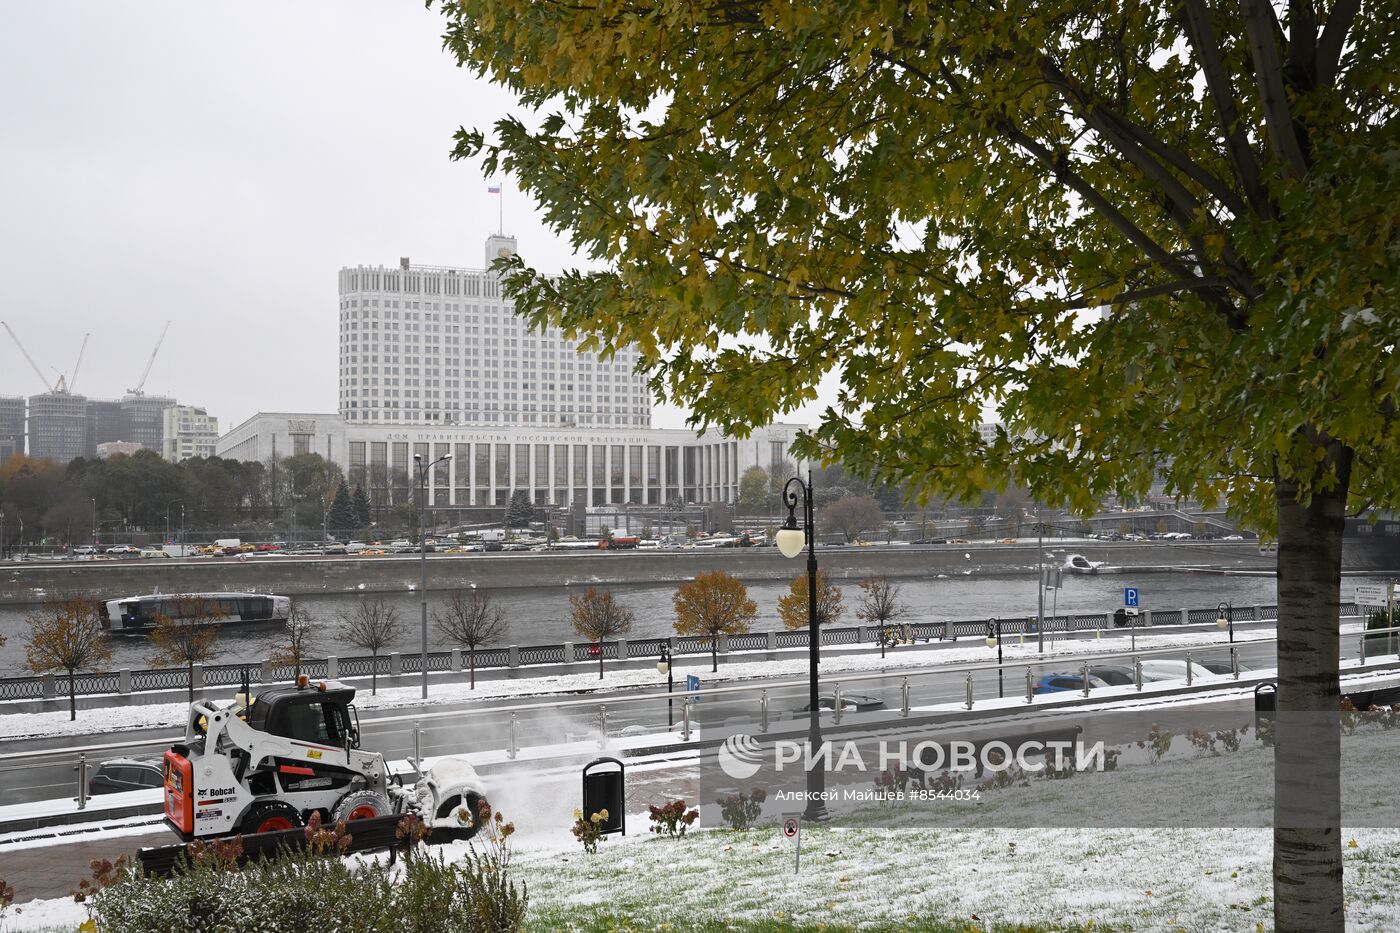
column 1265, row 705
column 603, row 790
column 1120, row 618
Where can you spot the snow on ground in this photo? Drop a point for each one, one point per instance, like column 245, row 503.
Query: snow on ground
column 858, row 873
column 160, row 715
column 1144, row 880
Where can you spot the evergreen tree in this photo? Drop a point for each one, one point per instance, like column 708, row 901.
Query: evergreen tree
column 342, row 517
column 520, row 510
column 361, row 506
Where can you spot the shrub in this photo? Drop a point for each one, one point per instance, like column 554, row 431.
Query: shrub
column 673, row 819
column 300, row 891
column 742, row 810
column 589, row 831
column 1158, row 741
column 7, row 897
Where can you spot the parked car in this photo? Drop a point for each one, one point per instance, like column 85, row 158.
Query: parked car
column 1060, row 683
column 152, row 552
column 85, row 550
column 1221, row 667
column 1116, row 675
column 1173, row 669
column 123, row 549
column 124, row 774
column 850, row 702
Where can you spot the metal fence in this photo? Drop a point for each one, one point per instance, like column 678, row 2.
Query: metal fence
column 133, row 681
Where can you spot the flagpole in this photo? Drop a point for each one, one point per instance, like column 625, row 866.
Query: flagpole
column 500, row 211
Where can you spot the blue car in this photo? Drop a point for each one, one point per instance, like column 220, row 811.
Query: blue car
column 1060, row 683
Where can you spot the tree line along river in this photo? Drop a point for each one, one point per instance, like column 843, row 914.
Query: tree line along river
column 540, row 615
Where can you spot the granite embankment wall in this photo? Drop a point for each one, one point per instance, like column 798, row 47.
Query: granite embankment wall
column 24, row 583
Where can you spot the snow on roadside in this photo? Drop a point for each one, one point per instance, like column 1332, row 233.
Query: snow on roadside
column 161, row 715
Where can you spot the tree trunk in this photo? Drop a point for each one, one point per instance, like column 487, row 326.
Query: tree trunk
column 471, row 662
column 374, row 673
column 600, row 659
column 72, row 697
column 714, row 654
column 1307, row 753
column 190, row 680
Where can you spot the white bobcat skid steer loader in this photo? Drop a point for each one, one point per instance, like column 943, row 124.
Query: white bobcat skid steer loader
column 268, row 765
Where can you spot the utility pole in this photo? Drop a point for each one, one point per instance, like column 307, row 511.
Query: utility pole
column 1040, row 584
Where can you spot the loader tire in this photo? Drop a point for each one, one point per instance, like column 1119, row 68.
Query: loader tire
column 270, row 816
column 360, row 805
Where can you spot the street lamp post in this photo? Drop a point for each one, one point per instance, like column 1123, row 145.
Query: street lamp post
column 1225, row 618
column 790, row 540
column 423, row 556
column 994, row 641
column 94, row 521
column 663, row 666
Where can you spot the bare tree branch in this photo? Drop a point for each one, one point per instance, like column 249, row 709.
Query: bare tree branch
column 1334, row 37
column 1261, row 26
column 1200, row 30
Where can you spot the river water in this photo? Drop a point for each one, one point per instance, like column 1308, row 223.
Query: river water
column 540, row 615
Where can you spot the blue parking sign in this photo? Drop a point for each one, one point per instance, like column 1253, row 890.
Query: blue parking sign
column 1130, row 597
column 692, row 682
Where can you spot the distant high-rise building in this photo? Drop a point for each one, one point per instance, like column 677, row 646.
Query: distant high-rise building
column 143, row 420
column 57, row 426
column 11, row 426
column 188, row 432
column 104, row 423
column 433, row 345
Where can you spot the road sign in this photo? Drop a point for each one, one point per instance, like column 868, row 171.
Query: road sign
column 692, row 683
column 1372, row 594
column 1130, row 597
column 792, row 831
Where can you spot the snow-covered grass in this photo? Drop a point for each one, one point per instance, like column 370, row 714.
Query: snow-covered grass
column 871, row 879
column 159, row 715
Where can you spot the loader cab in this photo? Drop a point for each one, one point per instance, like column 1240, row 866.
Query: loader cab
column 321, row 714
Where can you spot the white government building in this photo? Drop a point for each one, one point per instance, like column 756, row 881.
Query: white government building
column 433, row 361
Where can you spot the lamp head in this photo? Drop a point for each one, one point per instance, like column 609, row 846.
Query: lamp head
column 663, row 666
column 790, row 539
column 1222, row 622
column 991, row 641
column 418, row 457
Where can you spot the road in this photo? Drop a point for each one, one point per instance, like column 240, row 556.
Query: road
column 541, row 807
column 486, row 725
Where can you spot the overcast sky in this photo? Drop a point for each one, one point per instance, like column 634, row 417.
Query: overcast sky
column 214, row 165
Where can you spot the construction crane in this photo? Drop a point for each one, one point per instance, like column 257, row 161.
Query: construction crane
column 149, row 363
column 73, row 380
column 37, row 371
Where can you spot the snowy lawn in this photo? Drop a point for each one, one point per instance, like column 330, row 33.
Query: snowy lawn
column 957, row 880
column 158, row 715
column 1125, row 879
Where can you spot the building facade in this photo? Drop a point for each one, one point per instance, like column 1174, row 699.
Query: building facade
column 143, row 419
column 188, row 432
column 435, row 345
column 57, row 426
column 12, row 414
column 104, row 423
column 558, row 466
column 109, row 449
